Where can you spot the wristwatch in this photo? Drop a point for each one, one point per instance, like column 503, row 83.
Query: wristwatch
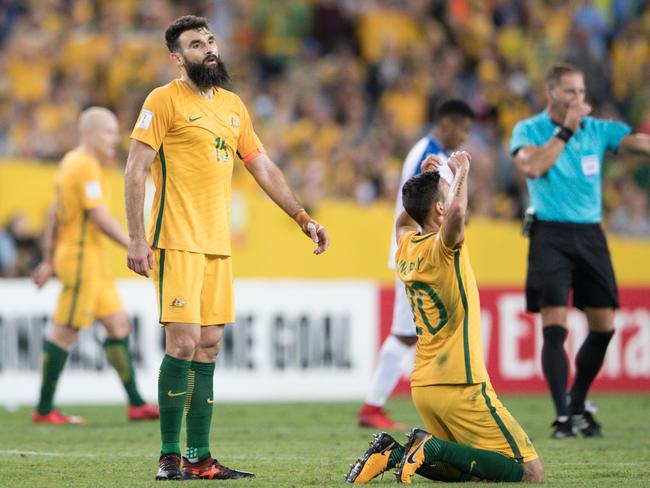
column 563, row 133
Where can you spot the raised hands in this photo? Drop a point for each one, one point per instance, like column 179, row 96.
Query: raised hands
column 458, row 160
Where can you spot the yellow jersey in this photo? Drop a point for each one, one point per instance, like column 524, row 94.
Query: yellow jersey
column 80, row 186
column 444, row 299
column 196, row 140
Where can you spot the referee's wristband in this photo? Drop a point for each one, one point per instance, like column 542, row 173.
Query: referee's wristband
column 563, row 133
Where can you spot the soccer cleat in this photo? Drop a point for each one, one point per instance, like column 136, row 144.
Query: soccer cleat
column 56, row 417
column 374, row 461
column 211, row 469
column 143, row 412
column 377, row 418
column 563, row 430
column 169, row 467
column 413, row 456
column 586, row 424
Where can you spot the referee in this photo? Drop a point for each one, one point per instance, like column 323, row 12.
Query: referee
column 560, row 151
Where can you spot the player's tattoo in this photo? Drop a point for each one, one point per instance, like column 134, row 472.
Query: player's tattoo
column 461, row 180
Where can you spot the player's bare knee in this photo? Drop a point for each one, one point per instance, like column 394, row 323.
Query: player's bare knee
column 533, row 471
column 63, row 336
column 181, row 347
column 209, row 344
column 600, row 319
column 117, row 326
column 554, row 315
column 208, row 349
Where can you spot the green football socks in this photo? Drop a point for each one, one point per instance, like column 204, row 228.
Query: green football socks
column 395, row 456
column 172, row 389
column 117, row 354
column 483, row 464
column 53, row 362
column 198, row 407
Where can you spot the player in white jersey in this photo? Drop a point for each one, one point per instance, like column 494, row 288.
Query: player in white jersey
column 452, row 123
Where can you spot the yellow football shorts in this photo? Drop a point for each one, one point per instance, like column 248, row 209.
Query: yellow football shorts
column 89, row 291
column 472, row 415
column 193, row 288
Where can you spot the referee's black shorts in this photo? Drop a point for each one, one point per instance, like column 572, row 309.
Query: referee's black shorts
column 564, row 257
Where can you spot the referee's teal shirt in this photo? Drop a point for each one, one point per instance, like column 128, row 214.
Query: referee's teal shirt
column 571, row 191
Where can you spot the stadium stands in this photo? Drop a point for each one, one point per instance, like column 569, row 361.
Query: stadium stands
column 340, row 89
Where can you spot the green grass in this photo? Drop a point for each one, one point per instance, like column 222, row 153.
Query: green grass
column 296, row 445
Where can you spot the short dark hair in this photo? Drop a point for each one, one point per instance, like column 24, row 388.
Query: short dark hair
column 453, row 107
column 558, row 70
column 180, row 25
column 419, row 193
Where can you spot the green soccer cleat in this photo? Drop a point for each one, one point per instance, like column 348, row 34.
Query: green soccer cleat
column 374, row 461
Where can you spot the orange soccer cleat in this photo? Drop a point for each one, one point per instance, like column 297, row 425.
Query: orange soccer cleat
column 211, row 469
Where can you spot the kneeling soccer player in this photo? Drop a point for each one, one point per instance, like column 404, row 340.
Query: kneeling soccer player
column 470, row 435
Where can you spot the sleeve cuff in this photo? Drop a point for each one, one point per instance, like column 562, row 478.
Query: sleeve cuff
column 250, row 156
column 145, row 141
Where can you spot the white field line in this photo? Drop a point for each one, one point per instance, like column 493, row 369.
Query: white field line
column 16, row 452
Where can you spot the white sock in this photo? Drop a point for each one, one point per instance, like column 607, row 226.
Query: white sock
column 387, row 372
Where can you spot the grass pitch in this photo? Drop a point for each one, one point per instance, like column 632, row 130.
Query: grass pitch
column 296, row 445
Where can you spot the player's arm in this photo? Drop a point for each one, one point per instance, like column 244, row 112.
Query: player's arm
column 139, row 254
column 404, row 224
column 635, row 143
column 453, row 224
column 45, row 268
column 536, row 161
column 108, row 225
column 270, row 178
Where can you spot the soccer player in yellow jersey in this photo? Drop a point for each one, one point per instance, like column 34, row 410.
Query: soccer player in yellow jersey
column 80, row 219
column 189, row 133
column 470, row 434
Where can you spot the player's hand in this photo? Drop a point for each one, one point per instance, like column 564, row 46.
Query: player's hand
column 431, row 163
column 577, row 110
column 319, row 236
column 458, row 160
column 313, row 230
column 42, row 273
column 139, row 257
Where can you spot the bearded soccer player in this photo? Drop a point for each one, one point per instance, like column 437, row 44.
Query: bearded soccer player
column 188, row 133
column 79, row 220
column 470, row 434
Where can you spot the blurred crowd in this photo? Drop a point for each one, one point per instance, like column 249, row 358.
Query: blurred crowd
column 341, row 89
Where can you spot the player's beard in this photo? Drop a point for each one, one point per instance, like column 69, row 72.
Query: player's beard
column 206, row 76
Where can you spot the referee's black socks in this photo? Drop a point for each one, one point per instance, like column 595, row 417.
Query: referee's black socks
column 556, row 367
column 589, row 359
